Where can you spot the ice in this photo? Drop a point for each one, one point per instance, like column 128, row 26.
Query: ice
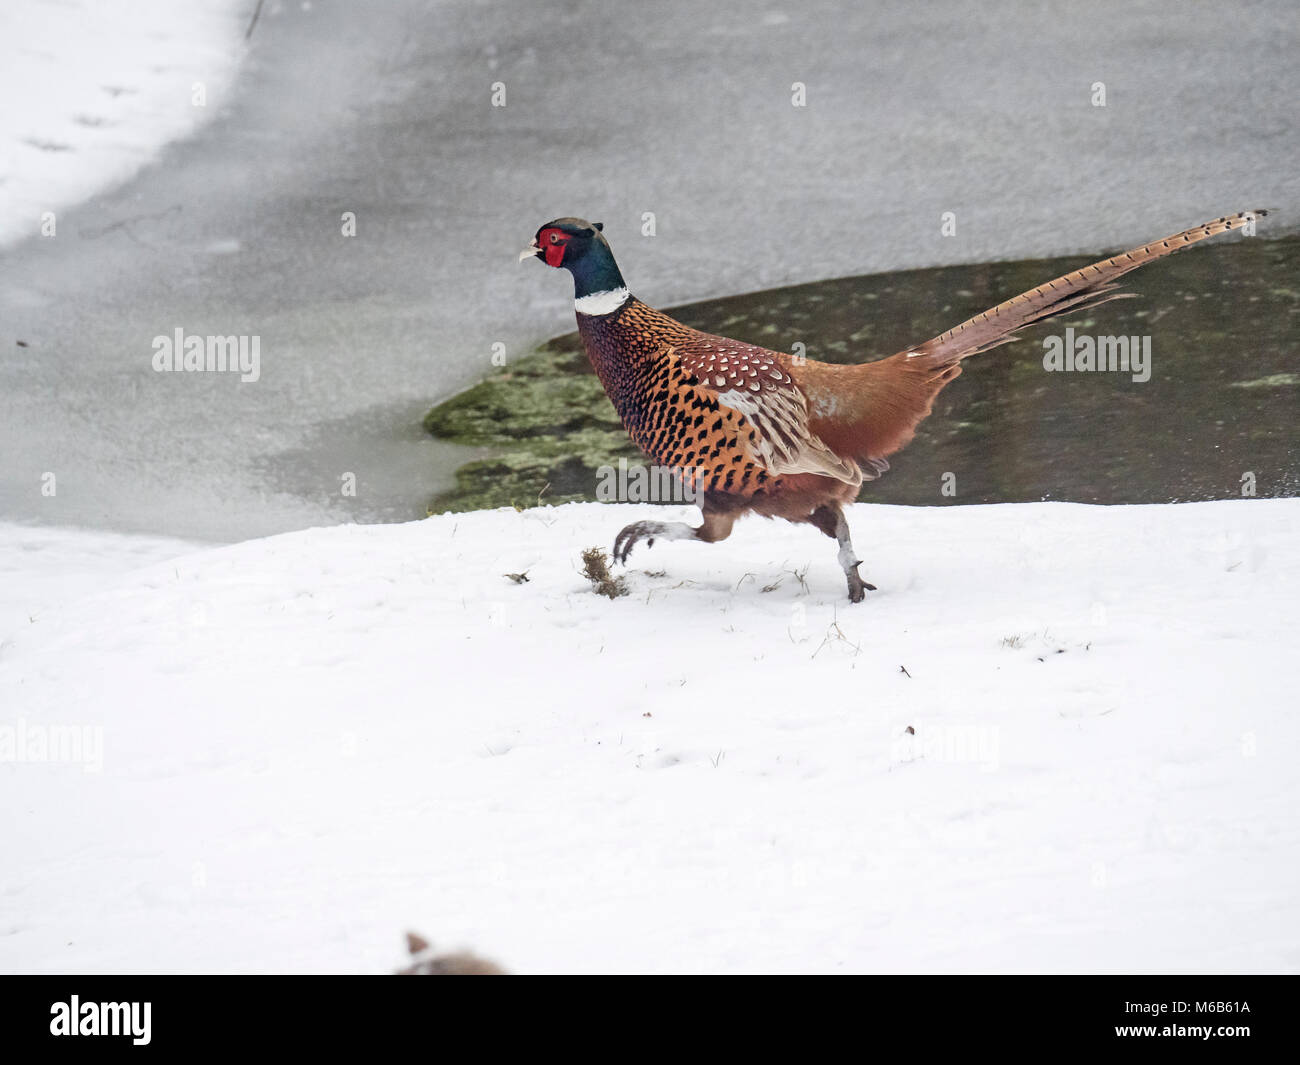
column 679, row 109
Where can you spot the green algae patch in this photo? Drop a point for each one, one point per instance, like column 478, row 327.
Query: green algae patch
column 549, row 428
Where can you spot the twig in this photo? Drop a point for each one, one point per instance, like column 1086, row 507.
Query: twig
column 257, row 11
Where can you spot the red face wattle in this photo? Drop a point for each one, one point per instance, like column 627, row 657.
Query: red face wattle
column 552, row 242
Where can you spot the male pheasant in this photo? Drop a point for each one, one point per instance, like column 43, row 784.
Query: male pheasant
column 758, row 430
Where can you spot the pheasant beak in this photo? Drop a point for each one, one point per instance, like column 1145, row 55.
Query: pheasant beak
column 530, row 252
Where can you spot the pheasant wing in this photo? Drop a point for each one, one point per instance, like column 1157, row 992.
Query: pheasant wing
column 753, row 382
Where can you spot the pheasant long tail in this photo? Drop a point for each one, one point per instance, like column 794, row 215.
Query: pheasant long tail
column 1088, row 287
column 889, row 397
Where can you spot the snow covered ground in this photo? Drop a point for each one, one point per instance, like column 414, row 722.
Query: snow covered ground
column 43, row 567
column 91, row 90
column 293, row 749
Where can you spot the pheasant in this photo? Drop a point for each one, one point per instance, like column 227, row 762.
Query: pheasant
column 753, row 430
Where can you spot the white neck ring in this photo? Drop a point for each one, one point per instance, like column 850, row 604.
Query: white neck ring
column 602, row 302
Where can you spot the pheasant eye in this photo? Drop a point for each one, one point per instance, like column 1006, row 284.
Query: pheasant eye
column 555, row 238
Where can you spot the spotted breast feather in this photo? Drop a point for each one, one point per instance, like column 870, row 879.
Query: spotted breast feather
column 756, row 384
column 729, row 416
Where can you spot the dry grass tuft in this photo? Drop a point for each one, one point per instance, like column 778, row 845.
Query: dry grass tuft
column 595, row 567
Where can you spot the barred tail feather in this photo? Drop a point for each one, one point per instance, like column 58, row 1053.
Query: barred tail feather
column 871, row 410
column 1089, row 287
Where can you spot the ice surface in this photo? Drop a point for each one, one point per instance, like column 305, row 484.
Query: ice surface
column 679, row 109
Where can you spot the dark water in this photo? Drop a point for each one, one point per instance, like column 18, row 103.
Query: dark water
column 1221, row 402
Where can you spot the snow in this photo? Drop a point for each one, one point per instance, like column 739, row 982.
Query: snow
column 313, row 742
column 104, row 85
column 42, row 567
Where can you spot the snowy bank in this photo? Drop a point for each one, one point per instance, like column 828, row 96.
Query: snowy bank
column 91, row 91
column 42, row 567
column 310, row 743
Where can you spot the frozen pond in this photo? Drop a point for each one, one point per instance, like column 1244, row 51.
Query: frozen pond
column 385, row 112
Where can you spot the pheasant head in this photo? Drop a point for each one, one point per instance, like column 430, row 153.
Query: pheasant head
column 580, row 247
